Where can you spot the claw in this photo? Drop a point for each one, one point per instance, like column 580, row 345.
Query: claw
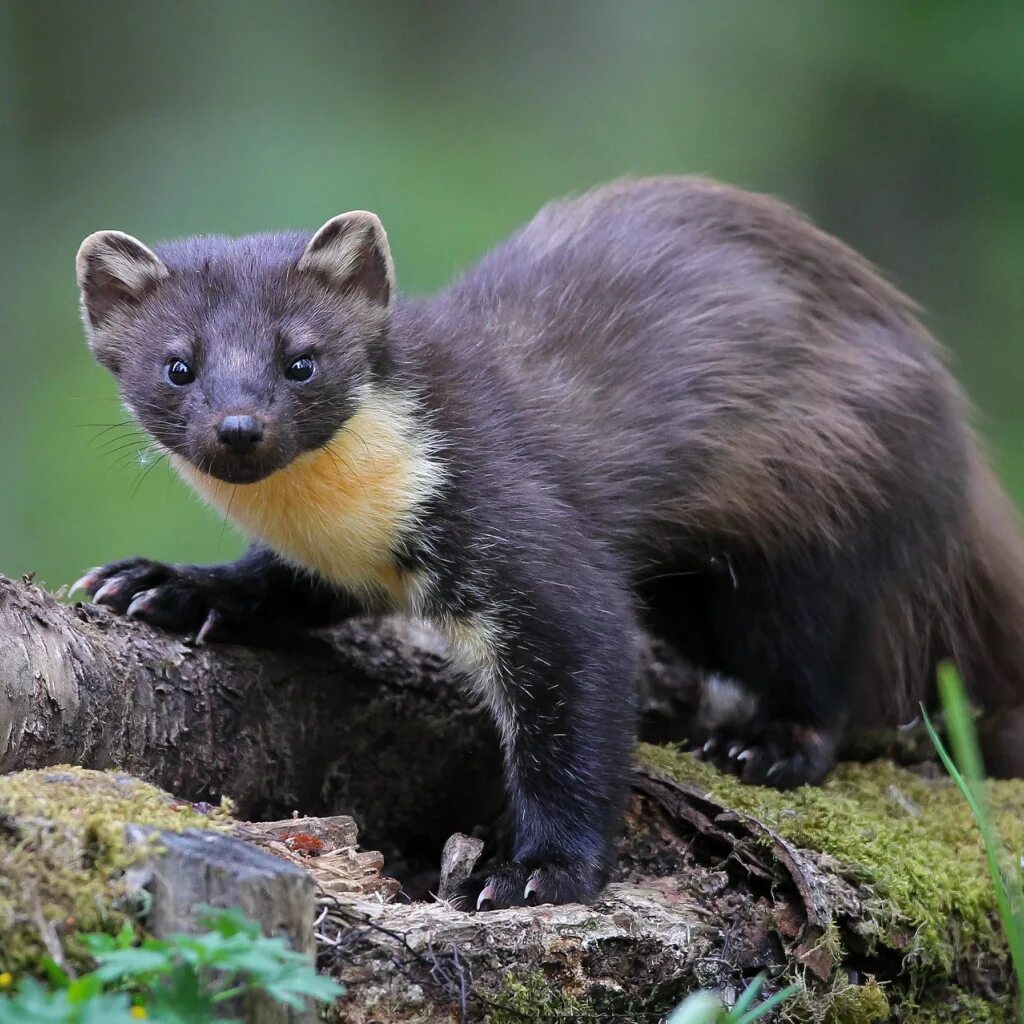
column 735, row 749
column 84, row 582
column 745, row 755
column 138, row 603
column 107, row 590
column 485, row 901
column 703, row 752
column 213, row 620
column 774, row 770
column 530, row 893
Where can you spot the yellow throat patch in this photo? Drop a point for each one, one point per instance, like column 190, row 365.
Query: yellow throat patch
column 339, row 511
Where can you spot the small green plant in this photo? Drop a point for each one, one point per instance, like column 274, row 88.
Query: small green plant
column 707, row 1008
column 183, row 979
column 965, row 768
column 81, row 1002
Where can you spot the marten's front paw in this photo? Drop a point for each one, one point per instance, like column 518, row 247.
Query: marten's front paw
column 180, row 599
column 778, row 754
column 519, row 885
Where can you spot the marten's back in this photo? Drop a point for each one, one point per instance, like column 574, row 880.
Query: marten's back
column 692, row 357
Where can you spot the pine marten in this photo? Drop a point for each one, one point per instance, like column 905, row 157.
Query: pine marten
column 666, row 400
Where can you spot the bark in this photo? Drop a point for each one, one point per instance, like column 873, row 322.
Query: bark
column 325, row 724
column 370, row 721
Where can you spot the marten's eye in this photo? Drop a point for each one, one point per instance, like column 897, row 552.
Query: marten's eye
column 301, row 369
column 179, row 373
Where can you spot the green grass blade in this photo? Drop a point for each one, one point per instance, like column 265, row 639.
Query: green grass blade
column 767, row 1006
column 747, row 996
column 700, row 1008
column 968, row 775
column 961, row 727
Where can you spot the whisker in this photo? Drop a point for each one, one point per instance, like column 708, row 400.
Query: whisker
column 145, row 473
column 105, row 446
column 106, row 426
column 140, row 456
column 340, row 460
column 359, row 437
column 123, row 445
column 227, row 516
column 671, row 575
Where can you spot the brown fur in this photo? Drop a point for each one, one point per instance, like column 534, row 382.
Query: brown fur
column 804, row 433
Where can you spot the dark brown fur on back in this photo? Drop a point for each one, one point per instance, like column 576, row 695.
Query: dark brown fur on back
column 706, row 371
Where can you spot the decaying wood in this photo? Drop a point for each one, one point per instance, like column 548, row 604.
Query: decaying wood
column 427, row 962
column 458, row 859
column 753, row 902
column 327, row 849
column 370, row 721
column 818, row 898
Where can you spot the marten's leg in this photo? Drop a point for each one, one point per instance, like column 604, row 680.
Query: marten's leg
column 249, row 600
column 793, row 631
column 553, row 654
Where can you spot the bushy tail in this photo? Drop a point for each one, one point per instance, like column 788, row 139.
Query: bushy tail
column 987, row 621
column 968, row 606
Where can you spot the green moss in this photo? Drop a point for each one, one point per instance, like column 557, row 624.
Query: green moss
column 531, row 997
column 63, row 854
column 860, row 1004
column 909, row 842
column 910, row 846
column 960, row 1008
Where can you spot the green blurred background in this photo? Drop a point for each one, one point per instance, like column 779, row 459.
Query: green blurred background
column 899, row 127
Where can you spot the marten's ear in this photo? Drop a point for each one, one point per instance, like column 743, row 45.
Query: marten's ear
column 115, row 270
column 351, row 254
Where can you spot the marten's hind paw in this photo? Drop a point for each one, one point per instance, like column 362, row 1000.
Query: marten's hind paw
column 779, row 754
column 519, row 885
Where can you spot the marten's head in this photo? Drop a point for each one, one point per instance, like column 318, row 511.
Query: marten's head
column 238, row 355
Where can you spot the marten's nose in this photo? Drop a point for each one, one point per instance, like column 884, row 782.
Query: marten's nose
column 240, row 434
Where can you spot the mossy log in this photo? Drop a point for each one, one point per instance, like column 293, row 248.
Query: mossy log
column 872, row 889
column 368, row 720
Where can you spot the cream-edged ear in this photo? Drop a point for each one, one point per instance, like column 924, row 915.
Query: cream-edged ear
column 350, row 253
column 113, row 270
